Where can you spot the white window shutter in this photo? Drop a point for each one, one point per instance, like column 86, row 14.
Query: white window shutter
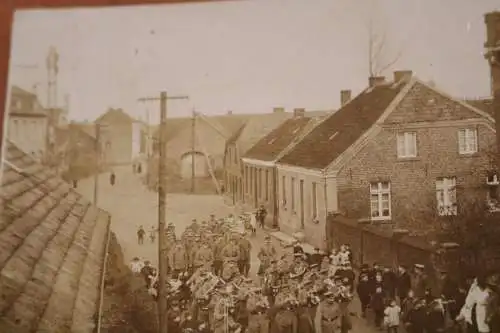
column 462, row 140
column 401, row 144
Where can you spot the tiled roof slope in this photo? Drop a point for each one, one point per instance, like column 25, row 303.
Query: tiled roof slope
column 258, row 127
column 485, row 105
column 52, row 244
column 342, row 128
column 270, row 146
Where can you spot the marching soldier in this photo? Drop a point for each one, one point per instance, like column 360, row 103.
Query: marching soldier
column 203, row 257
column 285, row 319
column 299, row 266
column 219, row 244
column 305, row 320
column 179, row 259
column 231, row 252
column 257, row 305
column 331, row 314
column 266, row 254
column 244, row 260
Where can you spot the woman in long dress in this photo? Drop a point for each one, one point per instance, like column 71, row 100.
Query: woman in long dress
column 474, row 311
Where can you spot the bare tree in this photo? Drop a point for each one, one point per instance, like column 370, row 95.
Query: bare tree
column 376, row 48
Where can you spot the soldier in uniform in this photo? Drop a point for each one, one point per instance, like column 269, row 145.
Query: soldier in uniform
column 258, row 308
column 299, row 266
column 179, row 259
column 305, row 320
column 285, row 319
column 331, row 314
column 219, row 244
column 174, row 316
column 244, row 260
column 203, row 257
column 266, row 254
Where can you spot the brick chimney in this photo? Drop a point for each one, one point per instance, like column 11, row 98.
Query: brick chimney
column 402, row 76
column 376, row 81
column 345, row 97
column 278, row 110
column 299, row 112
column 492, row 54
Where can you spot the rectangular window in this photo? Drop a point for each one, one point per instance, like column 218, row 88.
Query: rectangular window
column 283, row 188
column 292, row 190
column 446, row 195
column 314, row 201
column 467, row 141
column 380, row 200
column 266, row 189
column 407, row 144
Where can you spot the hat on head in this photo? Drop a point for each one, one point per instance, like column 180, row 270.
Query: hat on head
column 419, row 266
column 314, row 266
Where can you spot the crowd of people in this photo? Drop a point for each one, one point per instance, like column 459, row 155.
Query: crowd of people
column 209, row 289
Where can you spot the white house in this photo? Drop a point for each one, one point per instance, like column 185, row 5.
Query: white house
column 27, row 122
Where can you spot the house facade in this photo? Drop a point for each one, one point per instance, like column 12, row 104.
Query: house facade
column 259, row 170
column 121, row 135
column 401, row 153
column 27, row 123
column 237, row 146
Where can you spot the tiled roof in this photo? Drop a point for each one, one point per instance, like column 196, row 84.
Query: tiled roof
column 258, row 127
column 52, row 244
column 342, row 128
column 270, row 146
column 485, row 105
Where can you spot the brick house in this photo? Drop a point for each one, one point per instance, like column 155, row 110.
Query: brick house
column 260, row 159
column 257, row 127
column 396, row 153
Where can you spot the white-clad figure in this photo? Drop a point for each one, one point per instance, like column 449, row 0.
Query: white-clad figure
column 136, row 265
column 477, row 296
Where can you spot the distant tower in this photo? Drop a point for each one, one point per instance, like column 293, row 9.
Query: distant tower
column 52, row 71
column 492, row 54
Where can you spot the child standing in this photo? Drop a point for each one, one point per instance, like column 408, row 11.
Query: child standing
column 391, row 319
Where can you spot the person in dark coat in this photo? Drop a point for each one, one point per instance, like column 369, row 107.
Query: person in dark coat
column 420, row 281
column 403, row 284
column 407, row 305
column 112, row 179
column 315, row 258
column 389, row 281
column 417, row 317
column 364, row 292
column 435, row 320
column 450, row 292
column 297, row 248
column 378, row 302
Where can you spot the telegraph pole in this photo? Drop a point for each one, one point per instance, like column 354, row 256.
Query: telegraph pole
column 162, row 207
column 97, row 160
column 193, row 143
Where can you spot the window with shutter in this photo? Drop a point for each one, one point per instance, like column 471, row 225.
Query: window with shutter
column 467, row 141
column 380, row 200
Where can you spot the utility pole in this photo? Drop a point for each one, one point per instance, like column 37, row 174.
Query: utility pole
column 162, row 207
column 193, row 143
column 148, row 145
column 97, row 160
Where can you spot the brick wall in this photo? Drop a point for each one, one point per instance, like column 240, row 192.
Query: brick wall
column 413, row 191
column 372, row 244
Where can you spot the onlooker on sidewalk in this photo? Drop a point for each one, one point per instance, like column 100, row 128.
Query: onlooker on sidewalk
column 140, row 235
column 391, row 318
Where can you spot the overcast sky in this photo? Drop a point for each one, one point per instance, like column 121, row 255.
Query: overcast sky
column 246, row 56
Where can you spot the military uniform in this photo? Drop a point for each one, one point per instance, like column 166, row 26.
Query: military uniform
column 266, row 254
column 258, row 321
column 244, row 260
column 231, row 252
column 179, row 259
column 285, row 321
column 203, row 257
column 331, row 315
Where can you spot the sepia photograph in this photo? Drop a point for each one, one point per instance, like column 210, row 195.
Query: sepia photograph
column 252, row 166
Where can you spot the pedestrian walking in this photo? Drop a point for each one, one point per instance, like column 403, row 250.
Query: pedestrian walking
column 261, row 215
column 112, row 179
column 140, row 235
column 152, row 234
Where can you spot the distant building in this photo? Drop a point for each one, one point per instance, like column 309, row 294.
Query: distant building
column 121, row 136
column 400, row 153
column 239, row 144
column 260, row 160
column 27, row 123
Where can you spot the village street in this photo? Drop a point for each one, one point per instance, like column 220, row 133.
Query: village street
column 132, row 205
